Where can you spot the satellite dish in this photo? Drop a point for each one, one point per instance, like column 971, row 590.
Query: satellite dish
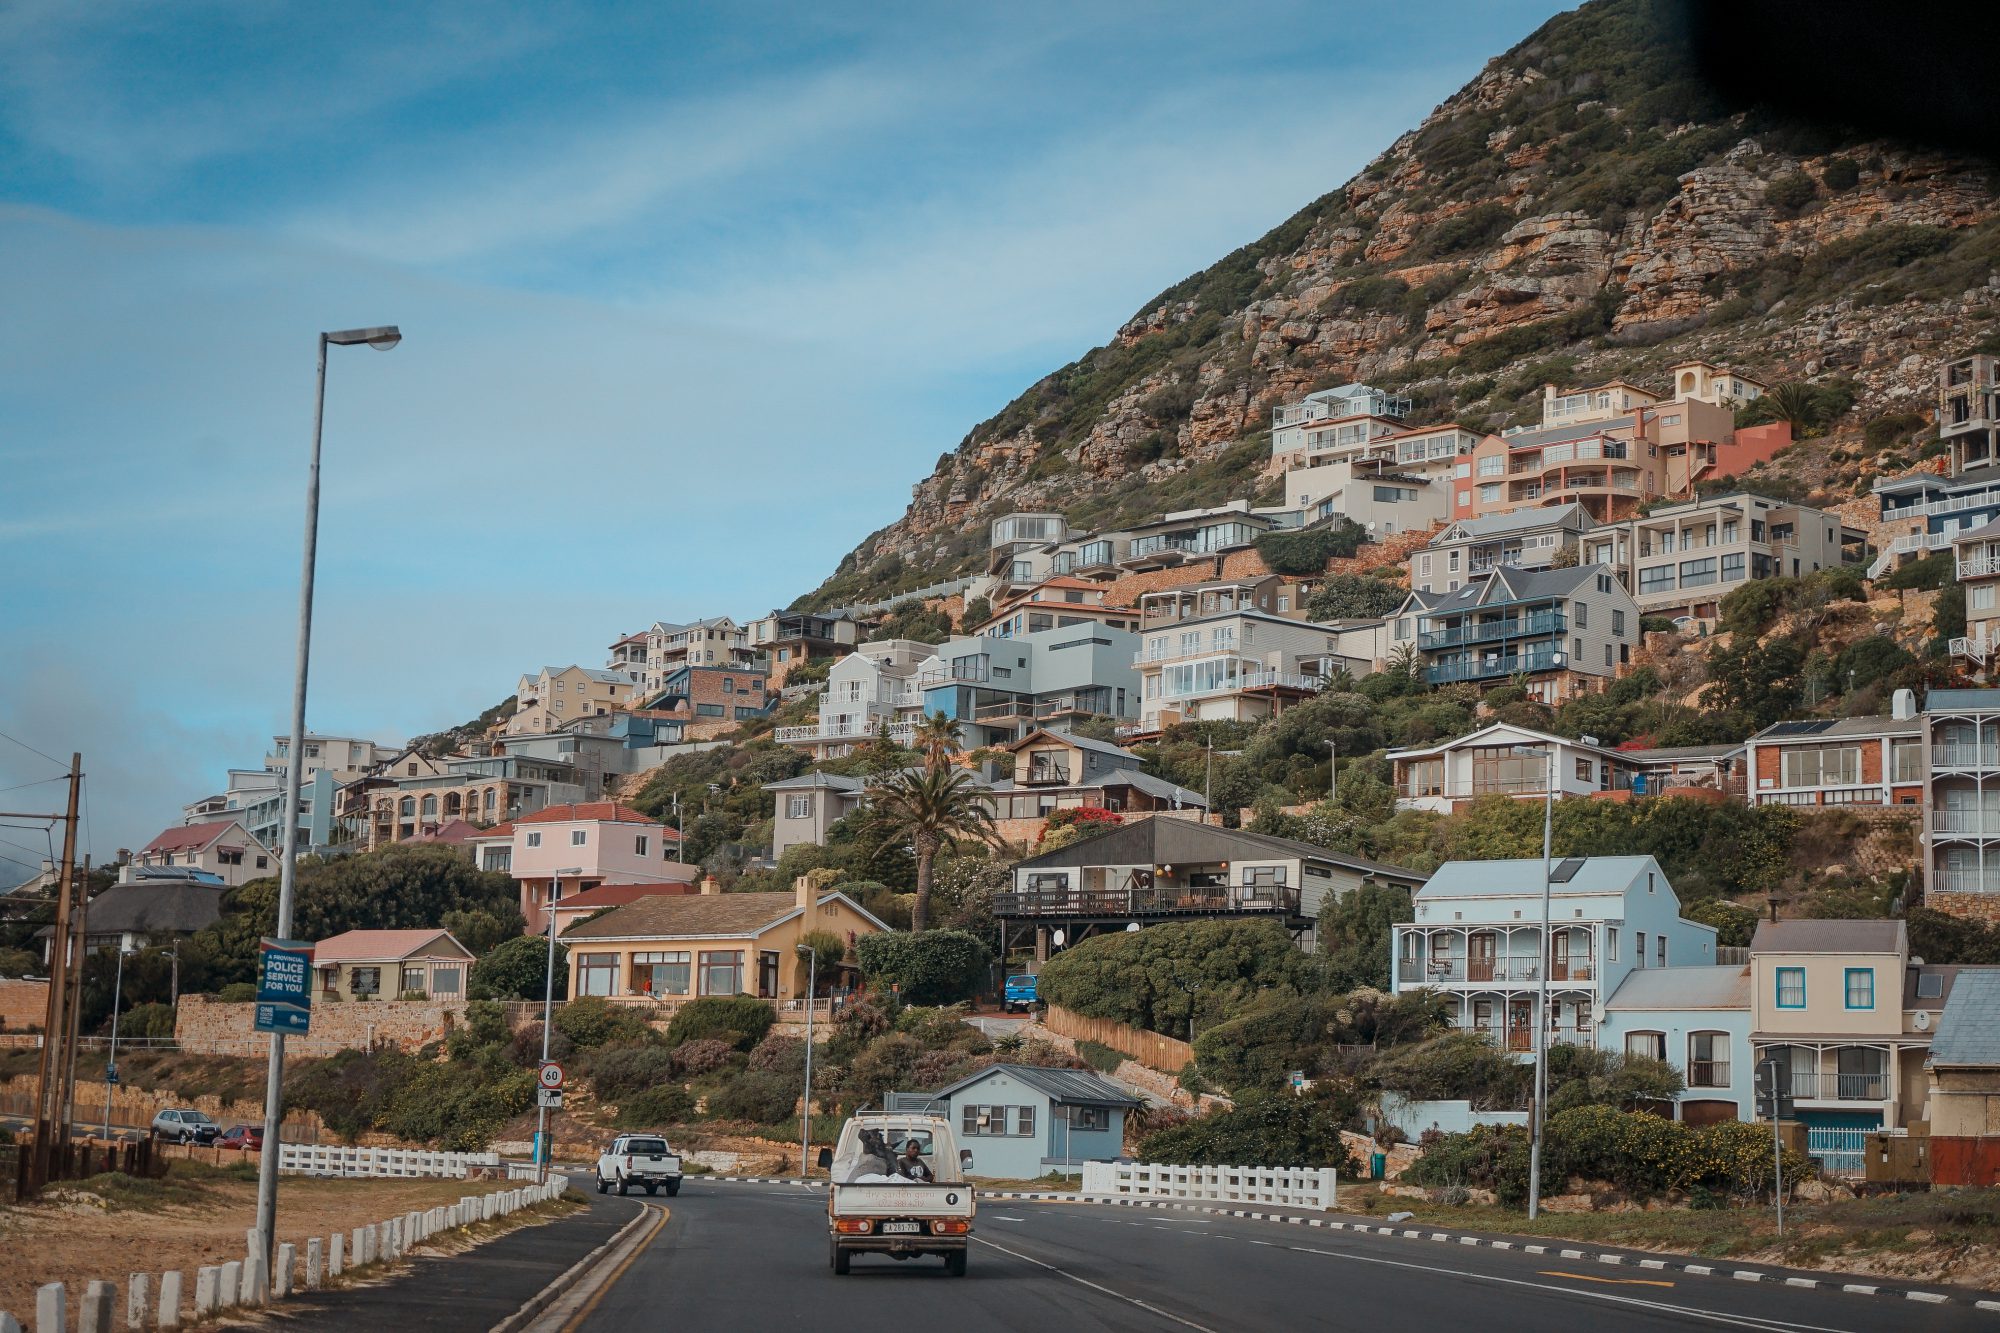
column 1921, row 1020
column 1131, row 926
column 1057, row 939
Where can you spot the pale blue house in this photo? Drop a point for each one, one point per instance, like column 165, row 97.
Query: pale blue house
column 1697, row 1019
column 1023, row 1121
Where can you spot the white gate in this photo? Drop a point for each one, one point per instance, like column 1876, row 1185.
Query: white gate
column 1839, row 1152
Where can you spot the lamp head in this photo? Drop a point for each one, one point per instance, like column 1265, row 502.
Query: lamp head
column 381, row 338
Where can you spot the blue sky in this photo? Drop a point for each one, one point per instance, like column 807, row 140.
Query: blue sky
column 691, row 295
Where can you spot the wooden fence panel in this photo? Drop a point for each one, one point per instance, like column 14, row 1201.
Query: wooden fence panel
column 1154, row 1050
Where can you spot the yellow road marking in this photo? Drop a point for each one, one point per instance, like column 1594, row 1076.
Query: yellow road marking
column 1611, row 1281
column 576, row 1320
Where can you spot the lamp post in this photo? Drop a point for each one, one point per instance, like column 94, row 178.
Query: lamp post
column 806, row 1106
column 1540, row 1111
column 381, row 339
column 542, row 1153
column 1332, row 773
column 111, row 1067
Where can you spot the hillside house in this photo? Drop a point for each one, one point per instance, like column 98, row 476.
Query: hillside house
column 1564, row 632
column 391, row 965
column 221, row 847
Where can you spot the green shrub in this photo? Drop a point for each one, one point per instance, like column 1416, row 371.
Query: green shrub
column 656, row 1107
column 762, row 1099
column 1884, row 431
column 1152, row 978
column 703, row 1055
column 1277, row 1129
column 1840, row 173
column 1734, row 923
column 1100, row 1057
column 1308, row 551
column 592, row 1020
column 1932, row 571
column 237, row 992
column 147, row 1020
column 518, row 969
column 1353, row 597
column 618, row 1072
column 1788, row 194
column 740, row 1020
column 1456, row 1065
column 936, row 967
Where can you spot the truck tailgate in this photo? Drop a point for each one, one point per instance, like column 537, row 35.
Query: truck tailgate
column 902, row 1201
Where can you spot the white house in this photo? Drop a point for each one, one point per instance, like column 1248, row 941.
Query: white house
column 1503, row 760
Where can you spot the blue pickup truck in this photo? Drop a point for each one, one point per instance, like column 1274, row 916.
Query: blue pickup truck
column 1020, row 993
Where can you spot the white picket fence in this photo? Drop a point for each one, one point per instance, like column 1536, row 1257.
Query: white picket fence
column 1298, row 1186
column 320, row 1159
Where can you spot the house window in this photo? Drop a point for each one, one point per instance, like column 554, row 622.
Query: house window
column 1791, row 988
column 1583, row 615
column 1646, row 1045
column 1617, row 622
column 365, row 981
column 639, row 844
column 1024, row 1122
column 1860, row 988
column 444, row 980
column 413, row 979
column 1264, row 876
column 1732, row 568
column 1611, row 943
column 722, row 972
column 661, row 972
column 982, row 1121
column 799, row 807
column 1826, row 766
column 1089, row 1117
column 534, row 839
column 263, row 862
column 1660, row 951
column 1660, row 578
column 729, row 685
column 578, row 837
column 230, row 858
column 708, row 710
column 597, row 974
column 1708, row 1060
column 1908, row 761
column 1639, row 954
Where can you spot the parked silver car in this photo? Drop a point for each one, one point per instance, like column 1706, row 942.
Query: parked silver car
column 185, row 1126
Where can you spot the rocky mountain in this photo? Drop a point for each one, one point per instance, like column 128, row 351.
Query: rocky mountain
column 1585, row 208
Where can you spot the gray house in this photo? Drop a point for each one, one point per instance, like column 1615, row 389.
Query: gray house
column 1023, row 1121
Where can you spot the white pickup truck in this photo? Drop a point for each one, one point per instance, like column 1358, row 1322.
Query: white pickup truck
column 639, row 1159
column 898, row 1188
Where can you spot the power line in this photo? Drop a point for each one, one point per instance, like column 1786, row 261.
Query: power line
column 29, row 748
column 36, row 783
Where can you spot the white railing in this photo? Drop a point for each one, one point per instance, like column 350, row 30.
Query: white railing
column 1967, row 881
column 1979, row 566
column 319, row 1159
column 1967, row 823
column 1255, row 680
column 1976, row 649
column 1298, row 1186
column 1961, row 754
column 901, row 732
column 1972, row 500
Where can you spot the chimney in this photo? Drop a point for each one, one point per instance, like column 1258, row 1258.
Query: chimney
column 1904, row 705
column 709, row 886
column 1548, row 392
column 1773, row 901
column 808, row 897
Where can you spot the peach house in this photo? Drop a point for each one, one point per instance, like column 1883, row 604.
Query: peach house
column 391, row 964
column 666, row 949
column 565, row 849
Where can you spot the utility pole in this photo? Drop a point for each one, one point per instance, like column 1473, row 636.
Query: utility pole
column 806, row 1107
column 50, row 1094
column 1332, row 773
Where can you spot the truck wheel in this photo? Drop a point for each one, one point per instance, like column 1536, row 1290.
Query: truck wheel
column 673, row 1188
column 624, row 1186
column 840, row 1260
column 602, row 1188
column 954, row 1263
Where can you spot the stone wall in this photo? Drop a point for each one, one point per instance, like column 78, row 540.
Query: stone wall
column 23, row 1004
column 206, row 1026
column 132, row 1106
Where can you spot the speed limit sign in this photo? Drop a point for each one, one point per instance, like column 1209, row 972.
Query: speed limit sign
column 551, row 1075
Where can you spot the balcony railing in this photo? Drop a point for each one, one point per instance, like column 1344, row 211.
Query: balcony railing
column 1479, row 970
column 1965, row 755
column 1967, row 823
column 1708, row 1073
column 1169, row 900
column 1813, row 1085
column 1519, row 1039
column 1974, row 647
column 1486, row 668
column 1255, row 680
column 1967, row 881
column 900, row 732
column 1554, row 622
column 1979, row 567
column 1047, row 775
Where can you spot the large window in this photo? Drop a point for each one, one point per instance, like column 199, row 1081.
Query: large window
column 365, row 981
column 1908, row 762
column 1660, row 578
column 1823, row 766
column 722, row 972
column 661, row 972
column 1791, row 988
column 1497, row 768
column 1860, row 988
column 597, row 974
column 1732, row 568
column 799, row 807
column 1648, row 1045
column 1089, row 1117
column 1694, row 573
column 1708, row 1060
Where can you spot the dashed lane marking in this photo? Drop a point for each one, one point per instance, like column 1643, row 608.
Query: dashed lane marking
column 1611, row 1281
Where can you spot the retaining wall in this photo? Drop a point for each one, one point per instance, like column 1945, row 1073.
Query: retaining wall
column 23, row 1004
column 204, row 1025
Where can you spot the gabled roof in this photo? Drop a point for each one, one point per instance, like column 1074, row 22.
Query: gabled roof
column 1484, row 735
column 497, row 833
column 1064, row 1087
column 1522, row 878
column 698, row 916
column 1159, row 840
column 452, row 831
column 382, row 946
column 193, row 837
column 1968, row 1032
column 817, row 781
column 617, row 895
column 1724, row 987
column 1515, row 520
column 605, row 811
column 1071, row 738
column 1815, row 936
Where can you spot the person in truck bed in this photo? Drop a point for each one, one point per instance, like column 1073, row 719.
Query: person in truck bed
column 912, row 1166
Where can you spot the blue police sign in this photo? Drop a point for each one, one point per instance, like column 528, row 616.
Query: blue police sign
column 284, row 986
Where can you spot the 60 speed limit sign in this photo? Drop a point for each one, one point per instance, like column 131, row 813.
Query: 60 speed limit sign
column 550, row 1075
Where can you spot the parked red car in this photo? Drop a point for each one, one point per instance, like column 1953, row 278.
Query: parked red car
column 247, row 1137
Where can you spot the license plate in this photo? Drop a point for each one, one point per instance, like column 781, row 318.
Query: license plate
column 901, row 1228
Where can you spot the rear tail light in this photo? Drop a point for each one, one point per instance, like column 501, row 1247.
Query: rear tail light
column 853, row 1226
column 950, row 1226
column 628, row 1164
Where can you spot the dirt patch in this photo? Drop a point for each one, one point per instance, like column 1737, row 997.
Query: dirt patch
column 111, row 1227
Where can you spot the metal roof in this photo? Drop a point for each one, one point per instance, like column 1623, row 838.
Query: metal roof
column 1840, row 728
column 1516, row 520
column 1968, row 1033
column 1953, row 700
column 1814, row 936
column 1725, row 987
column 1162, row 840
column 1065, row 1087
column 1522, row 877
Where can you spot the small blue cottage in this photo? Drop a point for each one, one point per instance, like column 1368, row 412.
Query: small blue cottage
column 1023, row 1121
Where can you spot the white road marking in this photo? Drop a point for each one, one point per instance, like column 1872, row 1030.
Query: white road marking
column 1097, row 1287
column 1002, row 1217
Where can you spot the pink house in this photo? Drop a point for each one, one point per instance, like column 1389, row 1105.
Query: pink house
column 568, row 849
column 223, row 847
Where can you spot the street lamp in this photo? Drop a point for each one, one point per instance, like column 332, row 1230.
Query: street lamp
column 1540, row 1111
column 806, row 1106
column 542, row 1153
column 111, row 1066
column 1332, row 773
column 381, row 338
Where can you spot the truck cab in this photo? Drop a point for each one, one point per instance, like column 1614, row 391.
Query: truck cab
column 898, row 1189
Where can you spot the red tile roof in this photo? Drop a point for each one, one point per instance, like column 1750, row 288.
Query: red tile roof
column 617, row 895
column 368, row 946
column 609, row 811
column 452, row 831
column 497, row 831
column 188, row 837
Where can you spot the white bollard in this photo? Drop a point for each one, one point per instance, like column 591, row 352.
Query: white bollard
column 207, row 1290
column 229, row 1286
column 137, row 1299
column 256, row 1289
column 8, row 1323
column 281, row 1276
column 93, row 1314
column 315, row 1262
column 334, row 1258
column 51, row 1309
column 360, row 1246
column 170, row 1300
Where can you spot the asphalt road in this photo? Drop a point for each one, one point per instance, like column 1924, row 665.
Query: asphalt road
column 745, row 1255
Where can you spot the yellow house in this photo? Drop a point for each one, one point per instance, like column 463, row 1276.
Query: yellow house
column 665, row 950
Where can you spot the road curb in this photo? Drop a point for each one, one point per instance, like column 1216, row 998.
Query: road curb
column 568, row 1278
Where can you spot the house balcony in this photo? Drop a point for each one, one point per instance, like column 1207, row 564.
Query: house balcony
column 1975, row 649
column 903, row 733
column 1460, row 970
column 1207, row 648
column 1046, row 775
column 1533, row 626
column 1966, row 881
column 1970, row 824
column 1497, row 667
column 1815, row 1086
column 1979, row 567
column 1965, row 755
column 1521, row 1040
column 1252, row 682
column 1156, row 901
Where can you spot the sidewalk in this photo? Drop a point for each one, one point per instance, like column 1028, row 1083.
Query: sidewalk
column 472, row 1291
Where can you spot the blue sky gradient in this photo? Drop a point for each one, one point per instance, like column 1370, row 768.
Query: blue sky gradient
column 691, row 296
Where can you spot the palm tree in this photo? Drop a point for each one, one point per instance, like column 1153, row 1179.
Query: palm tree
column 936, row 739
column 936, row 807
column 1796, row 402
